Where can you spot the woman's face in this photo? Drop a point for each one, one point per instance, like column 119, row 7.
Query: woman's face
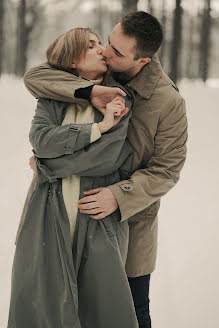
column 93, row 65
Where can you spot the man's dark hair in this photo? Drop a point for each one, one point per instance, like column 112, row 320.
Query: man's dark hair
column 147, row 31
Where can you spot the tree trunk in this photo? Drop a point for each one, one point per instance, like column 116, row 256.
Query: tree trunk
column 129, row 6
column 150, row 7
column 163, row 24
column 99, row 18
column 190, row 52
column 1, row 33
column 176, row 43
column 21, row 54
column 205, row 43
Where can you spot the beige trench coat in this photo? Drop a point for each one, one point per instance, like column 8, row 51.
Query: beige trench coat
column 157, row 132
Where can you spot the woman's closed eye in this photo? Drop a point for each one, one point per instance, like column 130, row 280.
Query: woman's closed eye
column 94, row 44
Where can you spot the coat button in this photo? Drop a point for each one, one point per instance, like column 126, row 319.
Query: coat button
column 126, row 187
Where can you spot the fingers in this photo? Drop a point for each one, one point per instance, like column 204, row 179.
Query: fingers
column 98, row 216
column 31, row 160
column 93, row 191
column 32, row 164
column 92, row 197
column 118, row 103
column 118, row 100
column 124, row 112
column 120, row 91
column 118, row 118
column 87, row 206
column 96, row 210
column 87, row 199
column 117, row 109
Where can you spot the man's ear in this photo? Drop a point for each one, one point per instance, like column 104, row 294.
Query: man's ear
column 145, row 60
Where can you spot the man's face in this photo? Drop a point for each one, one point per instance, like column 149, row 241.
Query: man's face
column 120, row 51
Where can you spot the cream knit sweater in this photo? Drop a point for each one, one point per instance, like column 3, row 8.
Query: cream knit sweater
column 77, row 113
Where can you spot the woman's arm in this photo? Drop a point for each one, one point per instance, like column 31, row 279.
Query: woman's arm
column 100, row 158
column 103, row 157
column 50, row 140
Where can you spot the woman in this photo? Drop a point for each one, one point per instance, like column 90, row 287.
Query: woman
column 68, row 269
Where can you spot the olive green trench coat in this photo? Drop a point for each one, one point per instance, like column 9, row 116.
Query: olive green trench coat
column 157, row 133
column 55, row 285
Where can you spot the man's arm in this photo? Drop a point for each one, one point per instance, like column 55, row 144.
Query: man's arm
column 44, row 81
column 51, row 83
column 148, row 185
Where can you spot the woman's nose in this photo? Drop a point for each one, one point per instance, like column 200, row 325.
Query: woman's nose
column 100, row 49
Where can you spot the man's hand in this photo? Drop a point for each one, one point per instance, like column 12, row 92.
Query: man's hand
column 98, row 203
column 33, row 164
column 101, row 96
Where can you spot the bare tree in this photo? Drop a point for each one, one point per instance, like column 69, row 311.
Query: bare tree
column 150, row 7
column 176, row 42
column 191, row 48
column 21, row 39
column 1, row 33
column 99, row 18
column 205, row 42
column 163, row 23
column 26, row 19
column 129, row 6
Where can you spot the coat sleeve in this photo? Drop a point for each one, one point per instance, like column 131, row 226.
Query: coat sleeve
column 47, row 82
column 100, row 158
column 162, row 171
column 50, row 140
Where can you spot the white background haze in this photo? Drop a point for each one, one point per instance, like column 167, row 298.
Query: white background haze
column 184, row 287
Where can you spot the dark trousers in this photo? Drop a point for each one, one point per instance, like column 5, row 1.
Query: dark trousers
column 140, row 293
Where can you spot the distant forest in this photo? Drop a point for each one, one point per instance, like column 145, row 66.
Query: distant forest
column 190, row 48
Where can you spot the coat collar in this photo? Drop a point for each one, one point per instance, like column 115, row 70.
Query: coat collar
column 146, row 80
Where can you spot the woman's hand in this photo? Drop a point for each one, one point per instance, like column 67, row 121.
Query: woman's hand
column 33, row 164
column 101, row 96
column 115, row 110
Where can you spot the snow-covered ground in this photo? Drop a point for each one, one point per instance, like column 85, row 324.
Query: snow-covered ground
column 184, row 287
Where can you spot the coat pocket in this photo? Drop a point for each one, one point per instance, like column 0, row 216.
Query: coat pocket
column 109, row 232
column 117, row 235
column 109, row 226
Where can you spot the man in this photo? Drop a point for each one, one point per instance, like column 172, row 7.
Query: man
column 157, row 133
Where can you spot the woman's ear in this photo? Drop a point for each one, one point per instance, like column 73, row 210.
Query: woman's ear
column 73, row 65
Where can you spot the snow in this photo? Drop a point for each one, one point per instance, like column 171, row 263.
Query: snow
column 184, row 287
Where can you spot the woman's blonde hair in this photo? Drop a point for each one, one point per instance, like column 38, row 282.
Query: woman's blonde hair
column 68, row 48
